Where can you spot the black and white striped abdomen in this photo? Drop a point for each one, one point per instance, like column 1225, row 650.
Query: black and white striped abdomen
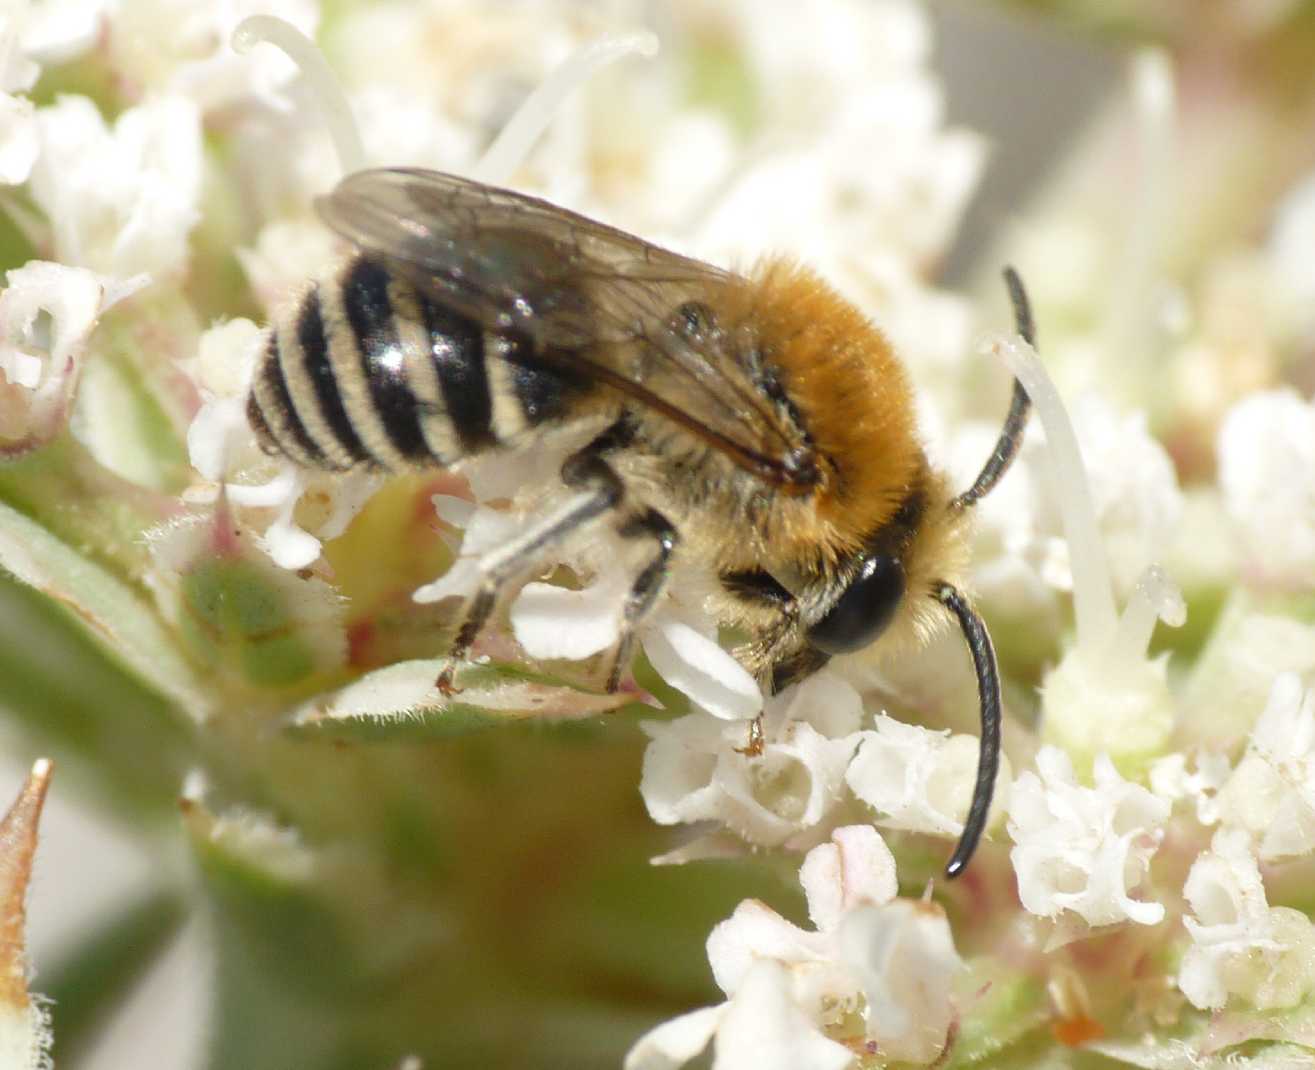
column 366, row 371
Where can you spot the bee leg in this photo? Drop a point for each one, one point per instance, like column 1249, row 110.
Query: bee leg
column 600, row 489
column 777, row 657
column 647, row 586
column 795, row 666
column 753, row 746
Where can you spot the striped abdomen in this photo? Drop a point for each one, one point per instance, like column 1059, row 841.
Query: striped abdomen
column 365, row 370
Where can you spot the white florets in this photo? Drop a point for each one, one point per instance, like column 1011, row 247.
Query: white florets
column 47, row 313
column 1240, row 945
column 287, row 252
column 121, row 200
column 1135, row 489
column 185, row 47
column 877, row 970
column 1267, row 475
column 1289, row 251
column 1231, row 682
column 1084, row 849
column 222, row 370
column 920, row 780
column 1022, row 553
column 51, row 32
column 18, row 139
column 695, row 768
column 1171, row 780
column 1271, row 793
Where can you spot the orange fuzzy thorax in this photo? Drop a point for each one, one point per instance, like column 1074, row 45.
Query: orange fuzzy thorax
column 852, row 394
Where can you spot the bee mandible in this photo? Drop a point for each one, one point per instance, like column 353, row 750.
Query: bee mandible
column 758, row 422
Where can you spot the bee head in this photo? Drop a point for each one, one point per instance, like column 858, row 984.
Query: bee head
column 864, row 609
column 877, row 579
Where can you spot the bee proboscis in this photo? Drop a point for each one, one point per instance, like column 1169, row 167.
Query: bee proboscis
column 758, row 421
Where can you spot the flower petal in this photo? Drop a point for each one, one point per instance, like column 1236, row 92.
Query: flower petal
column 694, row 664
column 753, row 933
column 856, row 868
column 764, row 1029
column 905, row 954
column 676, row 1042
column 19, row 143
column 553, row 622
column 1080, row 849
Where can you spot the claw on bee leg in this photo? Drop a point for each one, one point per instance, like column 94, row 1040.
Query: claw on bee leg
column 753, row 748
column 444, row 683
column 620, row 661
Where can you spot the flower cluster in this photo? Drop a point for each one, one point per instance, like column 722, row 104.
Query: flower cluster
column 874, row 976
column 1240, row 945
column 1083, row 849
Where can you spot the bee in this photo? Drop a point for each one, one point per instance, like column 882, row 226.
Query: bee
column 758, row 422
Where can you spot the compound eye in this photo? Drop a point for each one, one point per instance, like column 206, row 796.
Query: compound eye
column 864, row 610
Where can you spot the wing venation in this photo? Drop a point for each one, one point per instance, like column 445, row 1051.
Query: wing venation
column 586, row 293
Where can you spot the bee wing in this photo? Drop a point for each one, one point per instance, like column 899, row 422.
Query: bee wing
column 590, row 295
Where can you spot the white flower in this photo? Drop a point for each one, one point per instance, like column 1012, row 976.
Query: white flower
column 903, row 954
column 853, row 86
column 40, row 358
column 185, row 47
column 220, row 444
column 1272, row 791
column 1170, row 780
column 1134, row 485
column 1266, row 453
column 1010, row 558
column 485, row 529
column 783, row 983
column 17, row 71
column 339, row 498
column 761, row 1028
column 120, row 201
column 287, row 253
column 855, row 869
column 1290, row 249
column 222, row 370
column 555, row 622
column 55, row 31
column 18, row 139
column 1240, row 945
column 695, row 768
column 18, row 125
column 918, row 779
column 1230, row 684
column 880, row 49
column 682, row 646
column 1134, row 489
column 876, row 973
column 1021, row 554
column 681, row 642
column 1082, row 849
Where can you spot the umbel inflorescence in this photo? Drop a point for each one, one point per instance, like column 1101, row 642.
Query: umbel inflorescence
column 1142, row 895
